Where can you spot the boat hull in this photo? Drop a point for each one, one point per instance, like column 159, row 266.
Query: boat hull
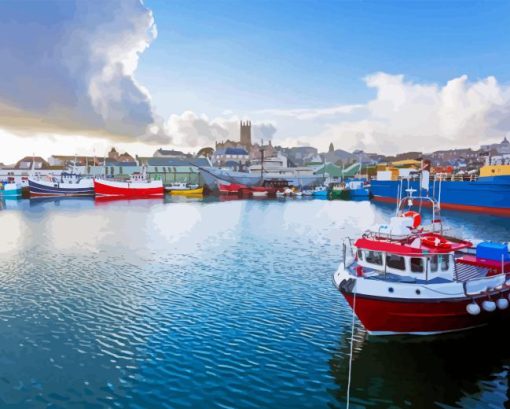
column 383, row 316
column 212, row 177
column 230, row 189
column 188, row 192
column 106, row 188
column 10, row 190
column 359, row 193
column 340, row 194
column 49, row 189
column 482, row 196
column 320, row 193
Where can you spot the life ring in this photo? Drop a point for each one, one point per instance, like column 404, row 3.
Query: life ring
column 415, row 216
column 436, row 241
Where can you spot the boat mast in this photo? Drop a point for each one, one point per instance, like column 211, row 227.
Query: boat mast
column 33, row 165
column 261, row 162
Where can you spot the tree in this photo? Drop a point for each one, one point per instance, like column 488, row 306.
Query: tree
column 207, row 152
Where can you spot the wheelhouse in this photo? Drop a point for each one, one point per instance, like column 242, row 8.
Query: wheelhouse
column 374, row 263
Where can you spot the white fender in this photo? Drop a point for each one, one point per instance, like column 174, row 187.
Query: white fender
column 489, row 306
column 502, row 303
column 473, row 308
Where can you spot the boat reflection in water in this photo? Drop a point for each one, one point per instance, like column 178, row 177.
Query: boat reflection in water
column 105, row 200
column 185, row 199
column 9, row 203
column 468, row 370
column 70, row 202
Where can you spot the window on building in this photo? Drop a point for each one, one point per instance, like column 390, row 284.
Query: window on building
column 417, row 265
column 374, row 257
column 396, row 262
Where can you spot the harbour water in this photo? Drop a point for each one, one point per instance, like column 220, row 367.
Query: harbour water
column 214, row 304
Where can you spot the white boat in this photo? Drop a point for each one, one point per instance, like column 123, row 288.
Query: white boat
column 180, row 186
column 273, row 169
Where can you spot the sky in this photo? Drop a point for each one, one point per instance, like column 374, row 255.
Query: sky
column 81, row 77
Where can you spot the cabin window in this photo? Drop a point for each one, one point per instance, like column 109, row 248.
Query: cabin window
column 374, row 257
column 434, row 264
column 445, row 263
column 396, row 262
column 360, row 255
column 417, row 265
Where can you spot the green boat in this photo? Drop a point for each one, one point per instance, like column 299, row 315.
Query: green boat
column 339, row 192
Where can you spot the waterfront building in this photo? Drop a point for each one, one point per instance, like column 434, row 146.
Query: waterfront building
column 27, row 166
column 336, row 173
column 69, row 160
column 300, row 155
column 246, row 134
column 171, row 170
column 171, row 153
column 113, row 155
column 498, row 148
column 236, row 158
column 245, row 142
column 32, row 162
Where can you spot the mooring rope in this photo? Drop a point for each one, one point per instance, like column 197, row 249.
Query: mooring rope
column 352, row 344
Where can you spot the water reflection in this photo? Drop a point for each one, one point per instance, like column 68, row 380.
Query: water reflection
column 463, row 370
column 62, row 202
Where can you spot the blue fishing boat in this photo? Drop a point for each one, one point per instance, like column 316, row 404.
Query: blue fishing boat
column 489, row 193
column 358, row 189
column 10, row 190
column 320, row 191
column 68, row 184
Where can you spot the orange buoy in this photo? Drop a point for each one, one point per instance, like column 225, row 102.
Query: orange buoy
column 436, row 241
column 415, row 216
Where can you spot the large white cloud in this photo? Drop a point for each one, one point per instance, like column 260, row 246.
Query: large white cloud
column 67, row 67
column 406, row 115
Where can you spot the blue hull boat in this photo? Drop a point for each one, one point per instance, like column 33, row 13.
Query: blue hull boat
column 10, row 190
column 83, row 187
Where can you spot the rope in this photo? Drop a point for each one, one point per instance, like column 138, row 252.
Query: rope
column 352, row 344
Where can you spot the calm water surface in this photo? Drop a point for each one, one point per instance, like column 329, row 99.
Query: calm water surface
column 213, row 304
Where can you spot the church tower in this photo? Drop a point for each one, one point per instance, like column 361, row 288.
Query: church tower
column 246, row 134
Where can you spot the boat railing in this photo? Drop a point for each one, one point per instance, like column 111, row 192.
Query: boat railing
column 443, row 177
column 484, row 285
column 447, row 177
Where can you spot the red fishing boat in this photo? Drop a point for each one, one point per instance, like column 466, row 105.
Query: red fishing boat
column 137, row 186
column 230, row 189
column 409, row 278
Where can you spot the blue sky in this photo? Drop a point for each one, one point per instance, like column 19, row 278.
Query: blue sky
column 286, row 54
column 379, row 76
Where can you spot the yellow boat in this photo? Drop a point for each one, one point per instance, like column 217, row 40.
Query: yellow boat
column 188, row 192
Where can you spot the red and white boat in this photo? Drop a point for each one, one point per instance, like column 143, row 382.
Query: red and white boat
column 136, row 187
column 407, row 278
column 230, row 188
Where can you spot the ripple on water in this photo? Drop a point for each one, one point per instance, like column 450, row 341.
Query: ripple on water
column 226, row 305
